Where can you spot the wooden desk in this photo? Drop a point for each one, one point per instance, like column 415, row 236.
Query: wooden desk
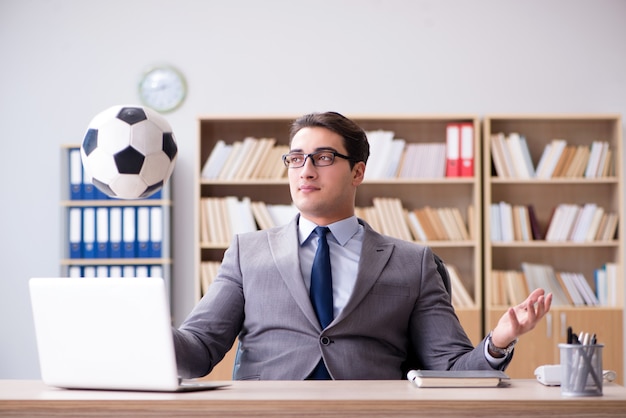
column 306, row 399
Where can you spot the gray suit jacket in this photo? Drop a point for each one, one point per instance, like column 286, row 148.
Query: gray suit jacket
column 399, row 310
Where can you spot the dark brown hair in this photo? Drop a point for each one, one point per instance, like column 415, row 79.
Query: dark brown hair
column 354, row 137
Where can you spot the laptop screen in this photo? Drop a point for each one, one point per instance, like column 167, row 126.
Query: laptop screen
column 104, row 333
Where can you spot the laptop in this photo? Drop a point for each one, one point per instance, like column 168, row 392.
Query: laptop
column 106, row 333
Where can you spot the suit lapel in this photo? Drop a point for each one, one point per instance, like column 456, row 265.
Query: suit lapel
column 374, row 256
column 284, row 246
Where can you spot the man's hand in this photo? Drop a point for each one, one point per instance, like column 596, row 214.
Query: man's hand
column 522, row 318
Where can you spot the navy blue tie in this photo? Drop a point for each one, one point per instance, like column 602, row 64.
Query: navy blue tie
column 322, row 292
column 321, row 280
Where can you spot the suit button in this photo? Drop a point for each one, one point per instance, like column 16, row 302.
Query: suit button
column 325, row 340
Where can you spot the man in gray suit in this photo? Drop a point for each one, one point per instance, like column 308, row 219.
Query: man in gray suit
column 390, row 309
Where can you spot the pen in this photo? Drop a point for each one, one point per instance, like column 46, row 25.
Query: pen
column 583, row 363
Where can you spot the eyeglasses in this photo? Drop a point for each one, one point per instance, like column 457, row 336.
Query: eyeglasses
column 319, row 158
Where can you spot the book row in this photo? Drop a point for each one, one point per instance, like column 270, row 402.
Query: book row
column 116, row 271
column 250, row 158
column 81, row 187
column 115, row 232
column 388, row 216
column 461, row 298
column 512, row 159
column 390, row 157
column 223, row 217
column 568, row 223
column 511, row 287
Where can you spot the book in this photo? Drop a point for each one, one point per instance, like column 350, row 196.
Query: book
column 214, row 163
column 516, row 287
column 549, row 159
column 435, row 221
column 615, row 286
column 605, row 163
column 578, row 163
column 75, row 174
column 395, row 156
column 449, row 224
column 228, row 164
column 543, row 276
column 534, row 223
column 594, row 224
column 456, row 378
column 460, row 295
column 242, row 159
column 497, row 154
column 596, row 154
column 496, row 222
column 427, row 224
column 461, row 227
column 416, row 227
column 564, row 161
column 528, row 161
column 503, row 149
column 506, row 221
column 585, row 289
column 498, row 293
column 514, row 144
column 453, row 144
column 467, row 150
column 571, row 290
column 250, row 159
column 610, row 227
column 524, row 220
column 380, row 144
column 543, row 160
column 579, row 233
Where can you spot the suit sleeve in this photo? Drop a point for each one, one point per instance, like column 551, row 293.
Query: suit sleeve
column 439, row 341
column 210, row 330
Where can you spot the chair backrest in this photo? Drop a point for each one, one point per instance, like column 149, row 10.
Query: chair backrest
column 443, row 272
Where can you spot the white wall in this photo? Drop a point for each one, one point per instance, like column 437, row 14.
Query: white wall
column 63, row 61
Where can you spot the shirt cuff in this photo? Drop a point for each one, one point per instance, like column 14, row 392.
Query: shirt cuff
column 493, row 361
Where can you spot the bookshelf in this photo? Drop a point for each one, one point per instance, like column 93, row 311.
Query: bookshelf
column 110, row 237
column 410, row 192
column 562, row 252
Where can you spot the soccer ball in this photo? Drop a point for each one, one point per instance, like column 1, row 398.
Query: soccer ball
column 129, row 152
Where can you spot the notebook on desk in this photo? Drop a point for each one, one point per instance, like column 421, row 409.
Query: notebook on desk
column 106, row 333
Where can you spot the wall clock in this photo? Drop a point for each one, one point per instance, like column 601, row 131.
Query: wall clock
column 163, row 88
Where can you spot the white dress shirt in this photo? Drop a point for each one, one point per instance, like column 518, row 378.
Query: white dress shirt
column 345, row 241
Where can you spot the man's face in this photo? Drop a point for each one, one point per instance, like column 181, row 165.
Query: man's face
column 323, row 194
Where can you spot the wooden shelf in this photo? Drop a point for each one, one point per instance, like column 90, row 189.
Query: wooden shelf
column 541, row 345
column 69, row 265
column 460, row 192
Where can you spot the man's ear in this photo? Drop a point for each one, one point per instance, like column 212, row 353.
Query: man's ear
column 358, row 173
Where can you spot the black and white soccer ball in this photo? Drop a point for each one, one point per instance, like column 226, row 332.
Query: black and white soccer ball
column 129, row 151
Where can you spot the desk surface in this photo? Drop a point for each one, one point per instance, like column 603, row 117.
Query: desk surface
column 31, row 398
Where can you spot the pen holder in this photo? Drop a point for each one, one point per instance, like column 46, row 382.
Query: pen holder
column 581, row 369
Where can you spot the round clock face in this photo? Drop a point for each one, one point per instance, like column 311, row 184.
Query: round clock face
column 162, row 88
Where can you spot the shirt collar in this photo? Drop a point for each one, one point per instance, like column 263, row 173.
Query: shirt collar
column 342, row 230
